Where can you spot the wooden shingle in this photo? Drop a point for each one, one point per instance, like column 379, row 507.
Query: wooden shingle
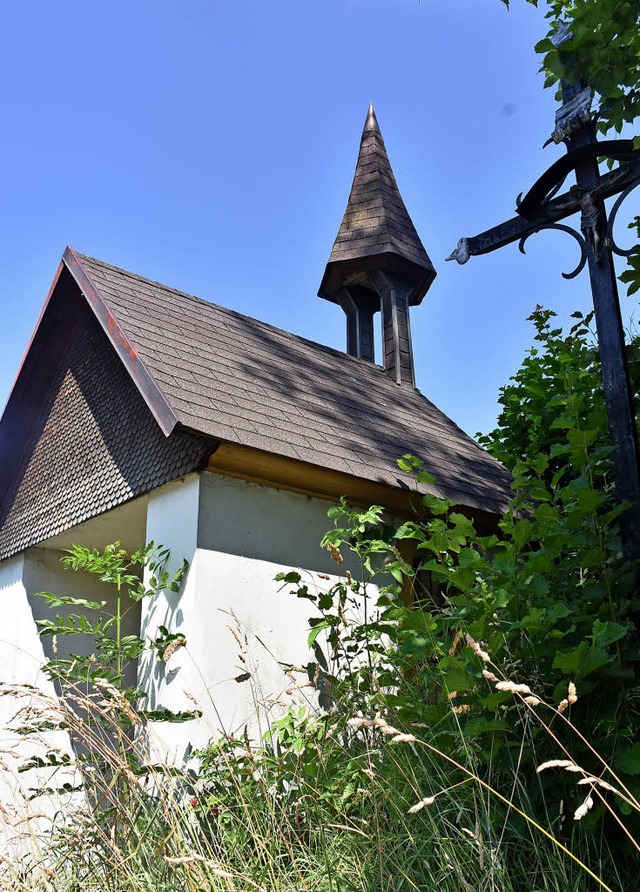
column 129, row 384
column 376, row 231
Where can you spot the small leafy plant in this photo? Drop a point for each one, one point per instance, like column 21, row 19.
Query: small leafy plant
column 114, row 652
column 123, row 573
column 101, row 704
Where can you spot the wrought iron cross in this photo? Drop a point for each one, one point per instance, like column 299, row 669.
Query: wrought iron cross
column 543, row 208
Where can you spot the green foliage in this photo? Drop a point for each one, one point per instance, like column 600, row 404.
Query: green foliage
column 113, row 651
column 556, row 390
column 98, row 708
column 548, row 595
column 301, row 768
column 604, row 53
column 631, row 276
column 333, row 802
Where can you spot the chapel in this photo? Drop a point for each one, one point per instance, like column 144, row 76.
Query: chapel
column 143, row 413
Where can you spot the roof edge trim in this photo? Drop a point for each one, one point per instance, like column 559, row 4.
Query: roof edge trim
column 142, row 378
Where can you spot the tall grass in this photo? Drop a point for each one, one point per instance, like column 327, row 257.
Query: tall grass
column 326, row 803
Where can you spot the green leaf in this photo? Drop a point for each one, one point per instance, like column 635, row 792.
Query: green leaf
column 475, row 727
column 408, row 531
column 557, row 611
column 60, row 601
column 167, row 715
column 629, row 761
column 456, row 676
column 581, row 438
column 320, row 626
column 291, row 577
column 417, row 645
column 435, row 505
column 581, row 661
column 605, row 634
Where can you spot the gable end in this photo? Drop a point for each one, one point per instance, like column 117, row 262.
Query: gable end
column 95, row 445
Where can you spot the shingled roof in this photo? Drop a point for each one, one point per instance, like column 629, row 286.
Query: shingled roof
column 211, row 371
column 129, row 384
column 376, row 231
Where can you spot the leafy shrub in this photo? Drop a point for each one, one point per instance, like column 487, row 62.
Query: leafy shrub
column 548, row 595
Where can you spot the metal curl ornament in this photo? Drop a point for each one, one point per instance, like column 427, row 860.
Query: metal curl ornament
column 576, row 235
column 551, row 194
column 621, row 252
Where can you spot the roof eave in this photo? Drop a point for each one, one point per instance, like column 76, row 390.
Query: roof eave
column 336, row 271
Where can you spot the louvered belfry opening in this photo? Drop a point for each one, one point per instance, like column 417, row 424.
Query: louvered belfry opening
column 377, row 262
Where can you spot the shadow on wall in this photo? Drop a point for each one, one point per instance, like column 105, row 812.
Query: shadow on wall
column 43, row 572
column 155, row 675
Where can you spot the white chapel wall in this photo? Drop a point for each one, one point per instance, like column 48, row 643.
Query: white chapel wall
column 44, row 572
column 25, row 693
column 172, row 521
column 237, row 536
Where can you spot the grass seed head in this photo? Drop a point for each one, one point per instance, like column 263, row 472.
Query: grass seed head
column 475, row 647
column 428, row 800
column 513, row 688
column 582, row 810
column 556, row 763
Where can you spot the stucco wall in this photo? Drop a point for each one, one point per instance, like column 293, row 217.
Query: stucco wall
column 25, row 693
column 172, row 521
column 230, row 607
column 235, row 618
column 260, row 523
column 22, row 654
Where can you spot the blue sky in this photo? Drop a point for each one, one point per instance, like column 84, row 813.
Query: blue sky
column 210, row 144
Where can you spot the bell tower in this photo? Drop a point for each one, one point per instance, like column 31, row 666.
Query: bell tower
column 377, row 262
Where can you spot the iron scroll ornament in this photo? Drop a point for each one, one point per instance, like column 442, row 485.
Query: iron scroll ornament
column 571, row 231
column 547, row 185
column 618, row 182
column 543, row 208
column 621, row 252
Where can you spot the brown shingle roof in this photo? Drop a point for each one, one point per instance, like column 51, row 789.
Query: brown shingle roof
column 235, row 379
column 376, row 231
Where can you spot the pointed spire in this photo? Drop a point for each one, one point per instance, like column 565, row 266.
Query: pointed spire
column 372, row 122
column 376, row 233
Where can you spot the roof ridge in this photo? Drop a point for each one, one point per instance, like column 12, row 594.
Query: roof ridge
column 333, row 351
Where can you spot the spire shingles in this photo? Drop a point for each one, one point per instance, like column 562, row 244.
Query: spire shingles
column 376, row 233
